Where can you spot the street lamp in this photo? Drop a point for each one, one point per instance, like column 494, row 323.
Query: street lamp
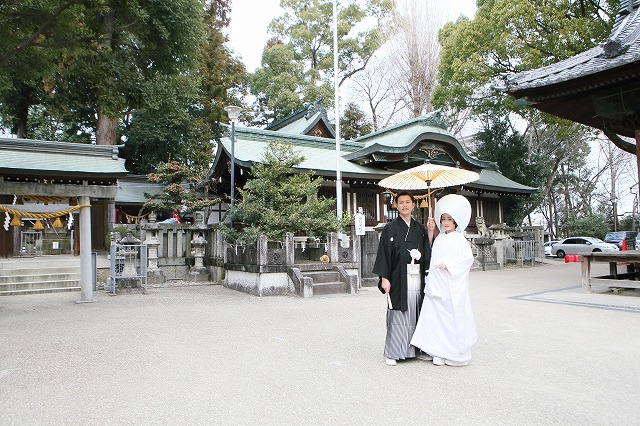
column 234, row 113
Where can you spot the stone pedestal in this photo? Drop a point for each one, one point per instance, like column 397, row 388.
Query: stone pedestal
column 485, row 258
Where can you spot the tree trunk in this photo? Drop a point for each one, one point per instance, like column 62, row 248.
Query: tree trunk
column 21, row 119
column 106, row 131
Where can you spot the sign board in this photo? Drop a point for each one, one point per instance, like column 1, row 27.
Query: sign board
column 359, row 222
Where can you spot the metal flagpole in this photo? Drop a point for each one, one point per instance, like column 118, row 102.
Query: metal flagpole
column 234, row 113
column 337, row 110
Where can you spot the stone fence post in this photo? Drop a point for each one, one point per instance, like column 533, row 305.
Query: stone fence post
column 289, row 249
column 333, row 242
column 356, row 242
column 263, row 257
column 356, row 253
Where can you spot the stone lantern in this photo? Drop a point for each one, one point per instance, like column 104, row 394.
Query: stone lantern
column 154, row 274
column 198, row 272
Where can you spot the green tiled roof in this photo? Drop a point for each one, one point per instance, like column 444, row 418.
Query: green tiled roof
column 403, row 137
column 493, row 181
column 301, row 122
column 23, row 156
column 302, row 127
column 133, row 190
column 319, row 153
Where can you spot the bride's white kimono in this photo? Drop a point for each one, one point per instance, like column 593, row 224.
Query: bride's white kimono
column 446, row 327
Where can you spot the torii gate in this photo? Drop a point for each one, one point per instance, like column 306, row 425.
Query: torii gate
column 58, row 169
column 84, row 193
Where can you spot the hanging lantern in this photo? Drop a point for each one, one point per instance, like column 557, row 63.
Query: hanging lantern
column 38, row 225
column 16, row 220
column 57, row 223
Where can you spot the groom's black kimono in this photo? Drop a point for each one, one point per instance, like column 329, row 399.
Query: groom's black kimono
column 393, row 255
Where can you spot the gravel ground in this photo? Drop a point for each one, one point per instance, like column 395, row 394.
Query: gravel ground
column 547, row 354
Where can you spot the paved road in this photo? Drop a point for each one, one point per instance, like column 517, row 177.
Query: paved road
column 547, row 354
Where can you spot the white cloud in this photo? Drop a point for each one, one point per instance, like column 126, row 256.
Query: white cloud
column 249, row 20
column 248, row 28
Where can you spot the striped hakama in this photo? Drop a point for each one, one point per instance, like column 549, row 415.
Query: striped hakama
column 401, row 325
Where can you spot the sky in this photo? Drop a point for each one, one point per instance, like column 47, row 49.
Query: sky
column 248, row 28
column 249, row 20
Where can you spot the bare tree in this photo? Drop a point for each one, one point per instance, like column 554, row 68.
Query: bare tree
column 561, row 152
column 615, row 167
column 399, row 80
column 413, row 52
column 373, row 90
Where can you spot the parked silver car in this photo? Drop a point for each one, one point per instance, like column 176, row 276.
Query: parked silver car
column 579, row 245
column 548, row 245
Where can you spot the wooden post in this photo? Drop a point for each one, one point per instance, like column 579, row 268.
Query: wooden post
column 586, row 274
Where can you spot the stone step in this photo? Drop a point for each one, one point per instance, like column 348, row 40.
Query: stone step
column 322, row 276
column 314, row 266
column 47, row 275
column 42, row 274
column 38, row 291
column 38, row 262
column 39, row 286
column 330, row 288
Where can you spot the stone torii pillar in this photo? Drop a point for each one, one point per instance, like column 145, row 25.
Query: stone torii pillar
column 86, row 274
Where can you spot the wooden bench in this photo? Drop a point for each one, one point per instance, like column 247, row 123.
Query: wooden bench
column 628, row 279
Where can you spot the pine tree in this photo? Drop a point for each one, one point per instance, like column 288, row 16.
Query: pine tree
column 181, row 191
column 279, row 199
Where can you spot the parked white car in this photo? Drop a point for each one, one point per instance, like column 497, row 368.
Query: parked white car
column 580, row 245
column 548, row 245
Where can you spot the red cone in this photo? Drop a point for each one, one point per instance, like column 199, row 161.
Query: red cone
column 624, row 245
